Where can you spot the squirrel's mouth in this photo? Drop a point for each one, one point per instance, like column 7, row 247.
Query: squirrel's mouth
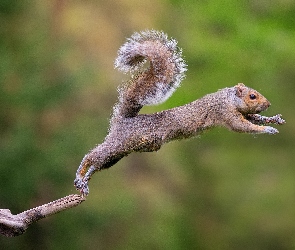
column 259, row 109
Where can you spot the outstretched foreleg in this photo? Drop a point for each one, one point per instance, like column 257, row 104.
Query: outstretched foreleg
column 264, row 120
column 254, row 123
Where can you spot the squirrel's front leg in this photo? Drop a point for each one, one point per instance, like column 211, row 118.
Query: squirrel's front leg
column 241, row 124
column 264, row 120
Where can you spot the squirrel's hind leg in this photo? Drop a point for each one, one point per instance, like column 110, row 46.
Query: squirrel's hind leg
column 103, row 156
column 79, row 181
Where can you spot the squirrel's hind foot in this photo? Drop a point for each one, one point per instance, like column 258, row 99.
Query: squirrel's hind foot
column 82, row 186
column 81, row 181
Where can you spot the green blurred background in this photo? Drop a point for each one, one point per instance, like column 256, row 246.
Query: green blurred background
column 223, row 190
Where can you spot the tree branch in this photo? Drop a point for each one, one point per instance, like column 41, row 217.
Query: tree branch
column 15, row 225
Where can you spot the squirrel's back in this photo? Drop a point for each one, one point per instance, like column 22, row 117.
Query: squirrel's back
column 154, row 84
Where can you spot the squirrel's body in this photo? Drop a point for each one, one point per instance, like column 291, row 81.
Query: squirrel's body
column 222, row 108
column 235, row 108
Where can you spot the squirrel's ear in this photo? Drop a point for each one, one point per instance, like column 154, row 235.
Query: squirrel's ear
column 239, row 89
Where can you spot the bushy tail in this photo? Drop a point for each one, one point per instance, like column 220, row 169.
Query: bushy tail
column 154, row 84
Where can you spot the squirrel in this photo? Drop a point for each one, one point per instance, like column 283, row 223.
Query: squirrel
column 235, row 108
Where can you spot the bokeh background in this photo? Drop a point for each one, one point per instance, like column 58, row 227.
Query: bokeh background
column 222, row 190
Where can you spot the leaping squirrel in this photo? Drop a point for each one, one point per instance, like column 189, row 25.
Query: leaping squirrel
column 236, row 108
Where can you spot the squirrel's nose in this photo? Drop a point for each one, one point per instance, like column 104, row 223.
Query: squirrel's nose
column 266, row 105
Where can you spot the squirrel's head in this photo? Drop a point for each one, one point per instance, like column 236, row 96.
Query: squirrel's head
column 252, row 102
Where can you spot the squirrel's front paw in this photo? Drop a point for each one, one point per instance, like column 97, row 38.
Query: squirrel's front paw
column 270, row 130
column 278, row 120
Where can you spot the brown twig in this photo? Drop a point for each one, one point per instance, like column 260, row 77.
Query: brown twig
column 15, row 225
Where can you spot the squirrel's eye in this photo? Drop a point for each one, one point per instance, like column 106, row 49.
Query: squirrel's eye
column 252, row 96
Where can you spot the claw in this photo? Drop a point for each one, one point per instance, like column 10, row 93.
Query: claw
column 271, row 130
column 278, row 120
column 82, row 186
